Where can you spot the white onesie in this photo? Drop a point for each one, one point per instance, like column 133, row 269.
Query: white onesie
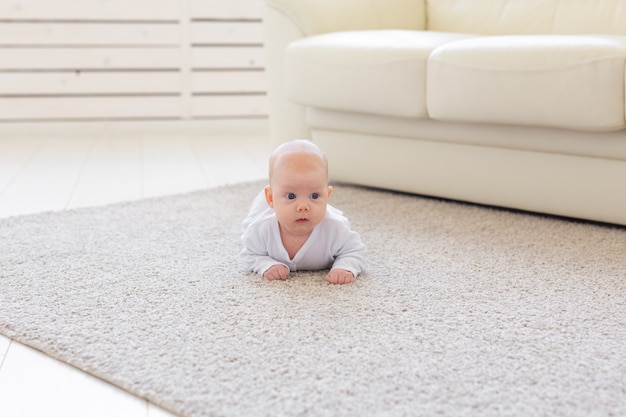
column 331, row 245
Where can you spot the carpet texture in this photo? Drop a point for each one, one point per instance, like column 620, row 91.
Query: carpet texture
column 464, row 310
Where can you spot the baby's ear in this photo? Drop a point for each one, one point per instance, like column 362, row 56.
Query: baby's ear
column 330, row 191
column 268, row 196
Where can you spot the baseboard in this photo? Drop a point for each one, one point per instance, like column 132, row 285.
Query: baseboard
column 243, row 126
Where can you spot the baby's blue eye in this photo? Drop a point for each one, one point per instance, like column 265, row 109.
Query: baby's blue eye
column 315, row 196
column 291, row 196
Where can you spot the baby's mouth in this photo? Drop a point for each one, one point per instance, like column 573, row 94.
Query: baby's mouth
column 302, row 220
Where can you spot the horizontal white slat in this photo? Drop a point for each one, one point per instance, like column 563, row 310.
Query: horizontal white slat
column 32, row 33
column 227, row 33
column 228, row 82
column 89, row 58
column 231, row 9
column 63, row 83
column 68, row 108
column 229, row 106
column 227, row 57
column 90, row 9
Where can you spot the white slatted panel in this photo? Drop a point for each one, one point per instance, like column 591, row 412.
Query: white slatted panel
column 94, row 10
column 220, row 57
column 227, row 58
column 204, row 82
column 72, row 108
column 128, row 59
column 229, row 106
column 85, row 58
column 226, row 9
column 92, row 34
column 89, row 83
column 226, row 32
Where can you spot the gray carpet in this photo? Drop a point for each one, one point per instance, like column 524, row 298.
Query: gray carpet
column 465, row 310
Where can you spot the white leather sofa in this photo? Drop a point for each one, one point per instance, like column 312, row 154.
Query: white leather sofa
column 512, row 103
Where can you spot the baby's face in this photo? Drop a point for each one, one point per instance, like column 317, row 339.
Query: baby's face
column 299, row 193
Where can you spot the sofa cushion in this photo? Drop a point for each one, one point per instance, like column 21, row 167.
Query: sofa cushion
column 568, row 81
column 380, row 71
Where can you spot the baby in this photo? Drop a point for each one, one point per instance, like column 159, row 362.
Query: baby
column 292, row 227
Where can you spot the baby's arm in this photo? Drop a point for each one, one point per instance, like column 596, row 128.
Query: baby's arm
column 263, row 264
column 350, row 259
column 256, row 258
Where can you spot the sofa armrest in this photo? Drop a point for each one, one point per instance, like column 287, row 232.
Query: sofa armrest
column 314, row 17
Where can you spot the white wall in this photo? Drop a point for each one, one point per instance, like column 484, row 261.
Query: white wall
column 131, row 59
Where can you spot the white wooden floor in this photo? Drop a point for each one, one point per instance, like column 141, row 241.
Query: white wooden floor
column 64, row 166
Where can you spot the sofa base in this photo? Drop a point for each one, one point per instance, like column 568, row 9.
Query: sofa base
column 566, row 185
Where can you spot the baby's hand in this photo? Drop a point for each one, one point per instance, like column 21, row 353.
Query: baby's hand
column 340, row 276
column 276, row 272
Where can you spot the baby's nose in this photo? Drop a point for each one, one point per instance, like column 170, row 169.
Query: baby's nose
column 303, row 207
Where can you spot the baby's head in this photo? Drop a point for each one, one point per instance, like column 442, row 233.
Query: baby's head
column 298, row 188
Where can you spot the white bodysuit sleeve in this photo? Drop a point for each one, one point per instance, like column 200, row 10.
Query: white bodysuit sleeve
column 255, row 255
column 351, row 253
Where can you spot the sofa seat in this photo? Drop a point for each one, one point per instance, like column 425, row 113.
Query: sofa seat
column 517, row 80
column 580, row 143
